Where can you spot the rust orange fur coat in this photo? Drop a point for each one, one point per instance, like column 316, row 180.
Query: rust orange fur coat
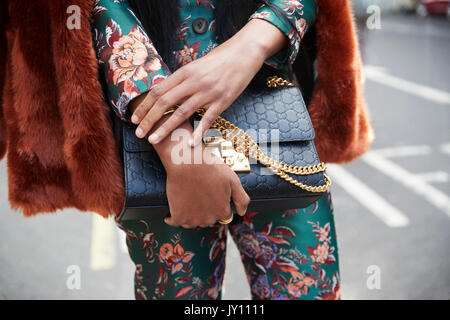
column 55, row 125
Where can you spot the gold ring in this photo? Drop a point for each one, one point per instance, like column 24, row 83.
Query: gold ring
column 226, row 221
column 171, row 110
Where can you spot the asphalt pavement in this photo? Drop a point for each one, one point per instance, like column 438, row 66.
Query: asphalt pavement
column 392, row 206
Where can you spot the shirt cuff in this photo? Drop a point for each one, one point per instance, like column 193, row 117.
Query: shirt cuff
column 300, row 14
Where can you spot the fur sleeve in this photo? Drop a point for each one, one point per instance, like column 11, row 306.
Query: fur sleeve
column 3, row 22
column 337, row 109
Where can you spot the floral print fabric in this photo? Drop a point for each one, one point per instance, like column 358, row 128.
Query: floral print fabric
column 300, row 14
column 128, row 61
column 131, row 66
column 287, row 255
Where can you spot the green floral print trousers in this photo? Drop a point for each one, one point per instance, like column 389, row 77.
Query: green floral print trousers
column 287, row 255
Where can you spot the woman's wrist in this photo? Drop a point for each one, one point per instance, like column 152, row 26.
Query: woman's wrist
column 165, row 147
column 261, row 39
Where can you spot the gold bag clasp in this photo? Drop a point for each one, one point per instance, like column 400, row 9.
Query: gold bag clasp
column 224, row 149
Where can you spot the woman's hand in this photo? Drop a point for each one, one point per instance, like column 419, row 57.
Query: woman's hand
column 198, row 192
column 211, row 82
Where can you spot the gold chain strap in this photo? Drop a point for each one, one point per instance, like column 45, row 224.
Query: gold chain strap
column 244, row 143
column 276, row 81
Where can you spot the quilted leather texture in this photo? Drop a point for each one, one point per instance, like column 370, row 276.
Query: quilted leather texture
column 271, row 108
column 279, row 109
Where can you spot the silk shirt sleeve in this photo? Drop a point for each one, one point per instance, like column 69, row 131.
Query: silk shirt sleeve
column 127, row 58
column 301, row 13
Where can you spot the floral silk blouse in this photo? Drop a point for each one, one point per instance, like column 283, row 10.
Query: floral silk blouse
column 131, row 65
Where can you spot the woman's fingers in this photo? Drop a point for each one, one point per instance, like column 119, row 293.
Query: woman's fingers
column 155, row 93
column 181, row 114
column 239, row 196
column 165, row 102
column 205, row 123
column 171, row 222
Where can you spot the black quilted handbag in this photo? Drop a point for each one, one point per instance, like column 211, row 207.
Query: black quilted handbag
column 293, row 178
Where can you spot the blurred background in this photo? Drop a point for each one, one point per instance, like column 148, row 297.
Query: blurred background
column 392, row 206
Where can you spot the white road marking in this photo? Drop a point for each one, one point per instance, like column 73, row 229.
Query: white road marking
column 409, row 180
column 103, row 243
column 437, row 176
column 367, row 197
column 445, row 148
column 404, row 151
column 381, row 75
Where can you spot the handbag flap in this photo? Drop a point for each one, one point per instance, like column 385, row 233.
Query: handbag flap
column 270, row 114
column 131, row 143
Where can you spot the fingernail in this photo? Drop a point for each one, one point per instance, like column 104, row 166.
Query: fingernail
column 191, row 142
column 139, row 132
column 153, row 138
column 134, row 119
